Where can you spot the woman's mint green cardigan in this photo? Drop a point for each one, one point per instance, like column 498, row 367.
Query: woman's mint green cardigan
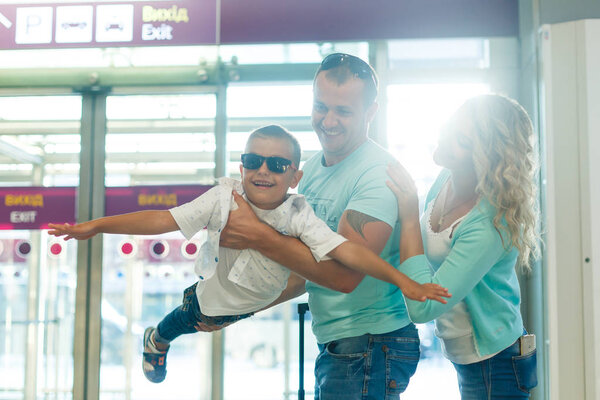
column 479, row 270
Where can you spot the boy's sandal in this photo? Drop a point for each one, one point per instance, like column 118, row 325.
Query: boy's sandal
column 158, row 361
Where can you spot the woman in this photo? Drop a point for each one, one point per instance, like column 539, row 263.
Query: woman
column 478, row 224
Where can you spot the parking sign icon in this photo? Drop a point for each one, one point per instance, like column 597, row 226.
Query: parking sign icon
column 33, row 25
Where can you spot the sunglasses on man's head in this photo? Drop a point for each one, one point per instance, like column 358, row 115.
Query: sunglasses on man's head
column 279, row 165
column 357, row 66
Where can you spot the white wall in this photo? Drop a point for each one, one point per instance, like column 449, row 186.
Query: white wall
column 590, row 120
column 570, row 123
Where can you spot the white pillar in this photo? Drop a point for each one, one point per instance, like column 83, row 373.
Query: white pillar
column 570, row 122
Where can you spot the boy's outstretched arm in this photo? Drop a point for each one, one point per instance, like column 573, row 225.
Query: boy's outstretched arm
column 361, row 259
column 150, row 222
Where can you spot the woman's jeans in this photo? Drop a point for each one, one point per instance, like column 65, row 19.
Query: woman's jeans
column 184, row 318
column 507, row 375
column 367, row 367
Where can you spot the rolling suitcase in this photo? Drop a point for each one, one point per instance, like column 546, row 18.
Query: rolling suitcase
column 302, row 309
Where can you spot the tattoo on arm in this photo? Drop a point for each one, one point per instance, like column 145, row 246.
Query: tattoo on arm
column 358, row 220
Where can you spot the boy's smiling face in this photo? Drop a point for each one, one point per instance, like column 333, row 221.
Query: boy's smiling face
column 264, row 188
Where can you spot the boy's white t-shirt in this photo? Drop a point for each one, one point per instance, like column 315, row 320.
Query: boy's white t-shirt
column 233, row 282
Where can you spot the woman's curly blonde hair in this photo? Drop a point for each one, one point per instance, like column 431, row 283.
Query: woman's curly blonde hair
column 506, row 164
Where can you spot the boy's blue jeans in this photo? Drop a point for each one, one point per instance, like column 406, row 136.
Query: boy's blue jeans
column 184, row 318
column 507, row 375
column 367, row 367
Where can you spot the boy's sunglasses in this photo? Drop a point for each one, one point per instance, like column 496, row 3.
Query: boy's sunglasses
column 279, row 165
column 357, row 66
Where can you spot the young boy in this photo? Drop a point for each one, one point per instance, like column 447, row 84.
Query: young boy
column 233, row 284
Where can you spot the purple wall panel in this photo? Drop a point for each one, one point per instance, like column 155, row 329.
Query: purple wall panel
column 244, row 21
column 35, row 207
column 120, row 200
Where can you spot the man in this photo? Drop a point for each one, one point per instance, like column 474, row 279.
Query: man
column 369, row 349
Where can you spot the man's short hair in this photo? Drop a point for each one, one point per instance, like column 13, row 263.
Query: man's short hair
column 279, row 132
column 341, row 67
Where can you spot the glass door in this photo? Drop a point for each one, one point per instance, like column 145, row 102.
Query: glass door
column 159, row 149
column 39, row 163
column 261, row 353
column 415, row 114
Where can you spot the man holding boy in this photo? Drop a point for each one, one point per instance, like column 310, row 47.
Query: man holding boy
column 362, row 322
column 234, row 284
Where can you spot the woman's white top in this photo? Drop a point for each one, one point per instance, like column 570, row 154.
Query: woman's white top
column 454, row 328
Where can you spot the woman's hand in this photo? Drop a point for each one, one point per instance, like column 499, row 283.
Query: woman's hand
column 404, row 188
column 243, row 227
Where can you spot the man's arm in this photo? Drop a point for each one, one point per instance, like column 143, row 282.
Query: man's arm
column 296, row 256
column 244, row 230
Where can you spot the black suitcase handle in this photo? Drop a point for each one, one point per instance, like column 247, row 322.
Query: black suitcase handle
column 302, row 309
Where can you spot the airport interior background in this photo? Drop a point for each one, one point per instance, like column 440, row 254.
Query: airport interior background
column 146, row 110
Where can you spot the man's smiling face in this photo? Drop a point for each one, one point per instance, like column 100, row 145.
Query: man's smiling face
column 339, row 116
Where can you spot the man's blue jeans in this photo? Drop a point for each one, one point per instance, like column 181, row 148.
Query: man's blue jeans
column 367, row 367
column 183, row 319
column 507, row 375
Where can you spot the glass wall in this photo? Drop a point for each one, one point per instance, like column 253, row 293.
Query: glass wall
column 416, row 114
column 250, row 106
column 261, row 356
column 430, row 79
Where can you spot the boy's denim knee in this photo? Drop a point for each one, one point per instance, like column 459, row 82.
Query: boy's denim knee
column 184, row 318
column 181, row 320
column 376, row 367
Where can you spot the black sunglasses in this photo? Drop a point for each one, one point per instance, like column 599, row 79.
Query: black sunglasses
column 279, row 165
column 357, row 66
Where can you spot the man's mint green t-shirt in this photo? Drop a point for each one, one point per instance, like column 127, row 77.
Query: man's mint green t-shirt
column 356, row 183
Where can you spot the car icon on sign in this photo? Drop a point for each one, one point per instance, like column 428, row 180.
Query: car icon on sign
column 69, row 25
column 113, row 26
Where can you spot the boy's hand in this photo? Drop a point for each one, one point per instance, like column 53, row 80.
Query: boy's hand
column 81, row 231
column 242, row 228
column 432, row 291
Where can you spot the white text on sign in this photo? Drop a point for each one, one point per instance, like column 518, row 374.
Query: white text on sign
column 162, row 32
column 19, row 217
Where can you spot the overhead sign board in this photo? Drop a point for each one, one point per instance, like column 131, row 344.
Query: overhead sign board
column 202, row 22
column 137, row 23
column 259, row 21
